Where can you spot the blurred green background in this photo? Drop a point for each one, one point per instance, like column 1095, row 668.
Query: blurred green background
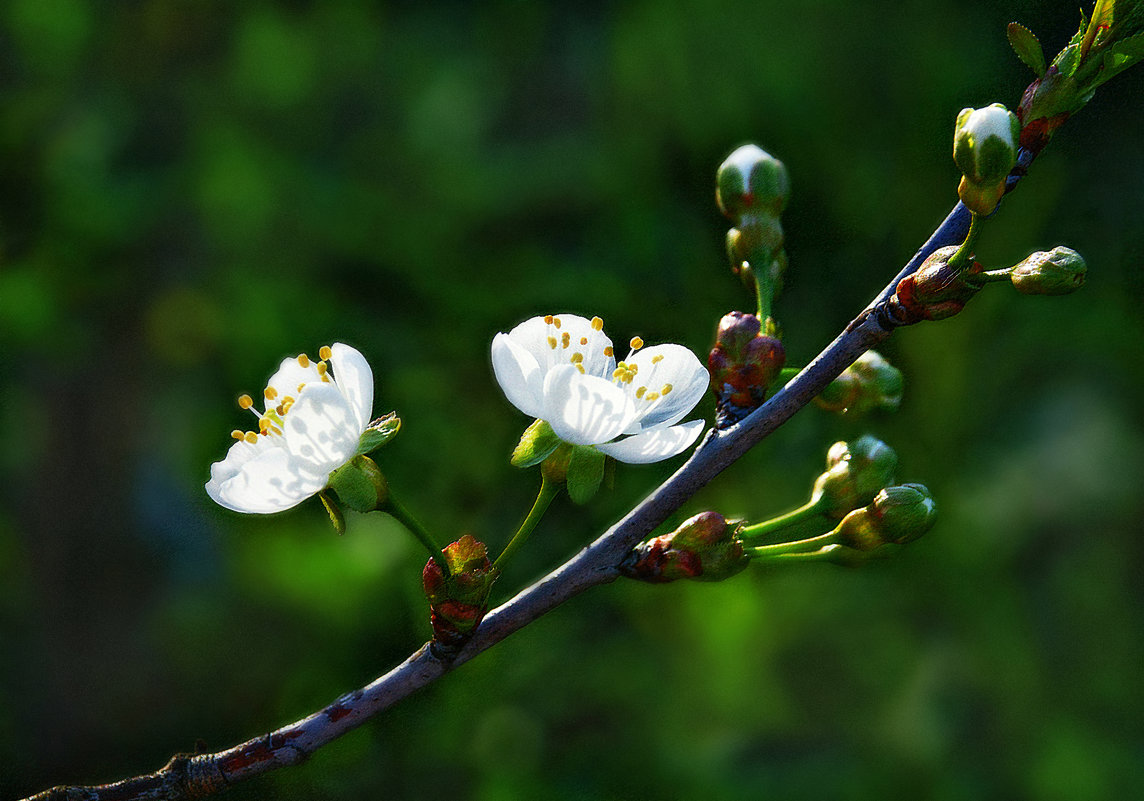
column 192, row 191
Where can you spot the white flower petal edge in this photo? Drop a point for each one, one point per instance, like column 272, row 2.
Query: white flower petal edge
column 668, row 383
column 311, row 426
column 654, row 445
column 518, row 374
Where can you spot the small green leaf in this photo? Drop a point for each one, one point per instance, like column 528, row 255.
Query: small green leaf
column 585, row 471
column 536, row 444
column 378, row 433
column 1132, row 47
column 1027, row 47
column 335, row 513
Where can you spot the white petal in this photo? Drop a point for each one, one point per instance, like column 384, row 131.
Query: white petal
column 653, row 446
column 321, row 429
column 267, row 479
column 518, row 374
column 584, row 409
column 288, row 377
column 678, row 367
column 546, row 343
column 354, row 378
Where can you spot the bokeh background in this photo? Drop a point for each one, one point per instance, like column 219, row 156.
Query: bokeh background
column 191, row 191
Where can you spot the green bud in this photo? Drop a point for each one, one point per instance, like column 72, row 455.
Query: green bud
column 751, row 182
column 1057, row 272
column 855, row 472
column 985, row 150
column 360, row 485
column 897, row 515
column 705, row 547
column 868, row 384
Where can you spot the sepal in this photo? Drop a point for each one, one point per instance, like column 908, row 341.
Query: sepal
column 360, row 485
column 536, row 444
column 378, row 433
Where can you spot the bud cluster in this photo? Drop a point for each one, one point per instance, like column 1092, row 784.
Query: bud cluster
column 705, row 547
column 743, row 364
column 458, row 601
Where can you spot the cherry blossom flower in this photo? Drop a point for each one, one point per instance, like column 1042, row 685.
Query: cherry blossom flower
column 562, row 369
column 314, row 415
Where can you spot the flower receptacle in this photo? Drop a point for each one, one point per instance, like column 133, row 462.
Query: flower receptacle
column 360, row 485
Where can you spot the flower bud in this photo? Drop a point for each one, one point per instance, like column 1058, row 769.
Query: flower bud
column 751, row 181
column 458, row 602
column 985, row 150
column 855, row 472
column 937, row 290
column 705, row 547
column 1057, row 272
column 743, row 363
column 870, row 383
column 897, row 515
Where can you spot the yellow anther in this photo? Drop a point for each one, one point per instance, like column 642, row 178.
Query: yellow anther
column 303, row 360
column 250, row 437
column 640, row 392
column 552, row 342
column 580, row 367
column 636, row 343
column 280, row 409
column 548, row 319
column 608, row 351
column 565, row 339
column 556, row 321
column 270, row 393
column 653, row 396
column 245, row 401
column 236, row 434
column 666, row 389
column 322, row 368
column 657, row 359
column 576, row 358
column 597, row 324
column 583, row 340
column 324, row 352
column 618, row 373
column 288, row 401
column 301, row 387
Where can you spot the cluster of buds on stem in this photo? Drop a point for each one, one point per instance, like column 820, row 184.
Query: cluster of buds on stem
column 870, row 384
column 743, row 364
column 458, row 601
column 706, row 547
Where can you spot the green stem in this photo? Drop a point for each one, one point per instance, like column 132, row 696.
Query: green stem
column 820, row 555
column 991, row 275
column 788, row 548
column 760, row 262
column 965, row 252
column 548, row 491
column 805, row 512
column 394, row 508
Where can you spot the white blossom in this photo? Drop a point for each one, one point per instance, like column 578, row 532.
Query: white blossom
column 562, row 369
column 312, row 421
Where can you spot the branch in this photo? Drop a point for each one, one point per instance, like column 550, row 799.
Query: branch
column 196, row 776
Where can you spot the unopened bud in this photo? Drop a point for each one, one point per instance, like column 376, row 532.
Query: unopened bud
column 870, row 383
column 985, row 150
column 751, row 181
column 705, row 547
column 458, row 602
column 1056, row 272
column 855, row 472
column 939, row 289
column 897, row 515
column 743, row 363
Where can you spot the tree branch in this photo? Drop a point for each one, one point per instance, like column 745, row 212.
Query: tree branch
column 196, row 776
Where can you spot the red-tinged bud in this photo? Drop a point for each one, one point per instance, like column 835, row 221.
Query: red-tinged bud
column 743, row 364
column 937, row 290
column 706, row 548
column 458, row 602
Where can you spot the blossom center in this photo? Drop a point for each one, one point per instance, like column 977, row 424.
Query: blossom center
column 272, row 420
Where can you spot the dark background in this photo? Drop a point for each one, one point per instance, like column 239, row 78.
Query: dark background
column 191, row 191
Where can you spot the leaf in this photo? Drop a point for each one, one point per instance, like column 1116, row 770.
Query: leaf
column 1132, row 47
column 1027, row 47
column 585, row 471
column 379, row 432
column 536, row 444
